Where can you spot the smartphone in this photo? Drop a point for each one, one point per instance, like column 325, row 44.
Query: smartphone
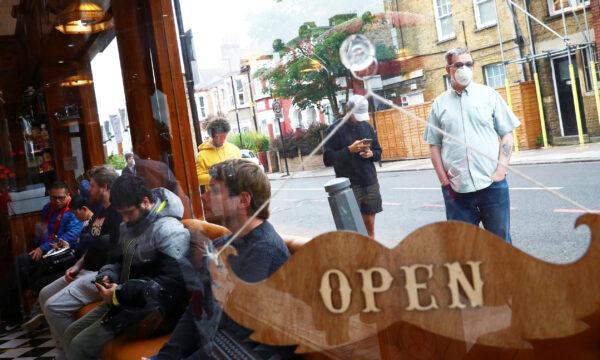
column 367, row 142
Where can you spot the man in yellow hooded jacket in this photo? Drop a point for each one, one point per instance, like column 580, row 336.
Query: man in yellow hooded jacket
column 215, row 150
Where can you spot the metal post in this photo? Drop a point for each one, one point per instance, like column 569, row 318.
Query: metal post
column 287, row 170
column 237, row 116
column 344, row 207
column 536, row 79
column 506, row 82
column 573, row 79
column 185, row 52
column 246, row 69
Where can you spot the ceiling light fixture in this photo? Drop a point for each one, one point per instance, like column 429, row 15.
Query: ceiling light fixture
column 76, row 80
column 84, row 17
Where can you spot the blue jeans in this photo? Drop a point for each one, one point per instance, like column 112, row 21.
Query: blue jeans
column 490, row 206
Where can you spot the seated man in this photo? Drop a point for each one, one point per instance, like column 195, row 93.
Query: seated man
column 65, row 296
column 59, row 226
column 236, row 191
column 143, row 291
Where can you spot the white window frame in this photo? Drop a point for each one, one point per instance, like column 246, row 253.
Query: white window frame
column 202, row 106
column 438, row 20
column 587, row 85
column 239, row 92
column 486, row 78
column 567, row 6
column 476, row 4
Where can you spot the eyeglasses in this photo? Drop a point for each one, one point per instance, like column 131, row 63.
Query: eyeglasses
column 459, row 65
column 57, row 198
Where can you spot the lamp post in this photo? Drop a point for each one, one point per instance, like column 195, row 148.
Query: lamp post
column 246, row 69
column 237, row 115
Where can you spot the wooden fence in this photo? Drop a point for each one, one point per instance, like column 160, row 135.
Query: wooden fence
column 401, row 136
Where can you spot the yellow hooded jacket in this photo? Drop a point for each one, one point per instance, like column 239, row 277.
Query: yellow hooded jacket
column 209, row 155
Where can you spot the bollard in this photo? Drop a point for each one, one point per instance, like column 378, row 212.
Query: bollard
column 344, row 207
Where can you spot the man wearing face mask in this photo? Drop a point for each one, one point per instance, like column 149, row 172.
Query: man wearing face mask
column 352, row 151
column 473, row 183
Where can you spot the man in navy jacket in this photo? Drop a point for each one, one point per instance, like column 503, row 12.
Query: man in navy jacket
column 58, row 226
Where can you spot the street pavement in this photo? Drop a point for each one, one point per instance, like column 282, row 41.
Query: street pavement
column 542, row 223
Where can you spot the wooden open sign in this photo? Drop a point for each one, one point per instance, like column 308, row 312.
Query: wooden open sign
column 450, row 282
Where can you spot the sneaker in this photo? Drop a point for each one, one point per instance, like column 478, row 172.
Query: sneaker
column 35, row 322
column 8, row 327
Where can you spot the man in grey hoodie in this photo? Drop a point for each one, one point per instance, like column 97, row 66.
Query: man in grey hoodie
column 143, row 290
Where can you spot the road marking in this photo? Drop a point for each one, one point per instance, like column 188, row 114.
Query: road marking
column 391, row 204
column 511, row 188
column 437, row 206
column 301, row 189
column 575, row 211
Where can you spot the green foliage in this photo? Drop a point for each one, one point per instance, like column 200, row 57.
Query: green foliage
column 367, row 17
column 251, row 141
column 341, row 18
column 278, row 45
column 304, row 139
column 384, row 52
column 116, row 161
column 539, row 140
column 309, row 75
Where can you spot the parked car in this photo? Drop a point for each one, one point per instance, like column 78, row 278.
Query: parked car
column 249, row 155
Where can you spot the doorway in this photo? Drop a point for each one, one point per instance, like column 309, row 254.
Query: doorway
column 564, row 94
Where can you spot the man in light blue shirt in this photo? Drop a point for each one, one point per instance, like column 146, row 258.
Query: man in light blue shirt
column 473, row 179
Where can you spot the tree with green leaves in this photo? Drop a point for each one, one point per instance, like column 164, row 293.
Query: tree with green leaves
column 308, row 72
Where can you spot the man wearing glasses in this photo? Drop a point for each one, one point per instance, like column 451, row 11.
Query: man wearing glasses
column 473, row 178
column 60, row 227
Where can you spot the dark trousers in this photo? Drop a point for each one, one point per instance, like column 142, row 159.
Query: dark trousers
column 490, row 206
column 25, row 274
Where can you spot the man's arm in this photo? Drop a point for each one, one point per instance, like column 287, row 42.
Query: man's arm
column 202, row 171
column 72, row 228
column 438, row 165
column 506, row 148
column 334, row 151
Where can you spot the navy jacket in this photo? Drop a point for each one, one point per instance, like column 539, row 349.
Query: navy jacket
column 359, row 170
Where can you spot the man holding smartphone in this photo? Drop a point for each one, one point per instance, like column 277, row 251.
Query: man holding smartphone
column 352, row 151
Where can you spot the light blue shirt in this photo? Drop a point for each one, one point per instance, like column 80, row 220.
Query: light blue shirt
column 478, row 117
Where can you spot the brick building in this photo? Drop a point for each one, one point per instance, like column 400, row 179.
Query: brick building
column 447, row 24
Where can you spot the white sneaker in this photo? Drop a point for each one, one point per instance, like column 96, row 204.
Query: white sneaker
column 35, row 322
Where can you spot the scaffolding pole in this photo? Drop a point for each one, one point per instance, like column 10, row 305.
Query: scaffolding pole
column 568, row 49
column 506, row 81
column 591, row 58
column 573, row 79
column 536, row 80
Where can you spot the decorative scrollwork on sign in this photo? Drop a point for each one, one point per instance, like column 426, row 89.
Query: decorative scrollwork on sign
column 449, row 279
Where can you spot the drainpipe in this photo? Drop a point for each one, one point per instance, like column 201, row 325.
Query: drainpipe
column 518, row 39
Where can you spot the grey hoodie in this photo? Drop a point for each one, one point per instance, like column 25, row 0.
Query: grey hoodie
column 154, row 251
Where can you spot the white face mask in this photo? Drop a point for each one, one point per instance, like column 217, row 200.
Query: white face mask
column 463, row 76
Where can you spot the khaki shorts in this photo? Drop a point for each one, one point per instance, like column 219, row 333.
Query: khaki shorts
column 368, row 198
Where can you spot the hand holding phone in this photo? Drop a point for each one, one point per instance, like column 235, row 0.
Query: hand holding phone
column 367, row 142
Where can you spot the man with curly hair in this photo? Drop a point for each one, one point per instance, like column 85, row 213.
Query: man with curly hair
column 215, row 150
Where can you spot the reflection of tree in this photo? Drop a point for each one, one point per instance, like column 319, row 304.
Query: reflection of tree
column 311, row 63
column 308, row 73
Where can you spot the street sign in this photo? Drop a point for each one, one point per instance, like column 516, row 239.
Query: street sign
column 277, row 108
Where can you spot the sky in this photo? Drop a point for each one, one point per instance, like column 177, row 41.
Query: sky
column 254, row 24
